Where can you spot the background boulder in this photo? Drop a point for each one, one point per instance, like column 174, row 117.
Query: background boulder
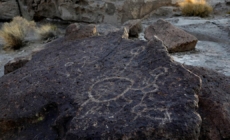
column 174, row 38
column 8, row 9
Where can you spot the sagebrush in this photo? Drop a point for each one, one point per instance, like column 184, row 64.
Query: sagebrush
column 196, row 8
column 47, row 31
column 14, row 32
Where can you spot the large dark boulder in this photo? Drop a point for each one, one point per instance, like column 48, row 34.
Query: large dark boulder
column 102, row 87
column 214, row 104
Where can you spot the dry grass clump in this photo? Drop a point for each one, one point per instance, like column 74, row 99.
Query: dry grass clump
column 47, row 31
column 14, row 33
column 19, row 29
column 195, row 8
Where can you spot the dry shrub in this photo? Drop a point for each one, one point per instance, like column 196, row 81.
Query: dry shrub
column 14, row 33
column 26, row 26
column 47, row 31
column 196, row 8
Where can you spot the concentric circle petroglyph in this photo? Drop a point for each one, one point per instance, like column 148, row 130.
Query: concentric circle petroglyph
column 112, row 88
column 109, row 89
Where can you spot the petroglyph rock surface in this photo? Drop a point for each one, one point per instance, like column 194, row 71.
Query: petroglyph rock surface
column 175, row 39
column 102, row 87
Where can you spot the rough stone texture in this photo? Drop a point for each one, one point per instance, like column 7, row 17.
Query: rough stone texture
column 76, row 31
column 102, row 87
column 15, row 64
column 214, row 104
column 8, row 9
column 91, row 11
column 104, row 29
column 166, row 11
column 175, row 39
column 134, row 27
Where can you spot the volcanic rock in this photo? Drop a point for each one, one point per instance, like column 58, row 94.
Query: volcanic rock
column 134, row 27
column 175, row 39
column 214, row 104
column 101, row 87
column 75, row 30
column 16, row 63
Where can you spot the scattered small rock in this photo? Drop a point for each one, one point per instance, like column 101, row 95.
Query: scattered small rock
column 134, row 27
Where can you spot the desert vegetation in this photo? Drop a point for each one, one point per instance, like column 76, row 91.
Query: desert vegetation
column 47, row 31
column 15, row 32
column 196, row 8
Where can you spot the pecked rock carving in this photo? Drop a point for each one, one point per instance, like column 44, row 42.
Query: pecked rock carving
column 101, row 87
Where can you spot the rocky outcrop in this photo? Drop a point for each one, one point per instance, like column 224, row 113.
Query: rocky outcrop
column 8, row 9
column 91, row 11
column 214, row 104
column 175, row 39
column 102, row 87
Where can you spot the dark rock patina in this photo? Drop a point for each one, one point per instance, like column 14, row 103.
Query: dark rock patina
column 16, row 63
column 214, row 104
column 102, row 87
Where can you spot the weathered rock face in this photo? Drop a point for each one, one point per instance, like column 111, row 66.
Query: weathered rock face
column 8, row 9
column 214, row 104
column 102, row 87
column 91, row 11
column 175, row 39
